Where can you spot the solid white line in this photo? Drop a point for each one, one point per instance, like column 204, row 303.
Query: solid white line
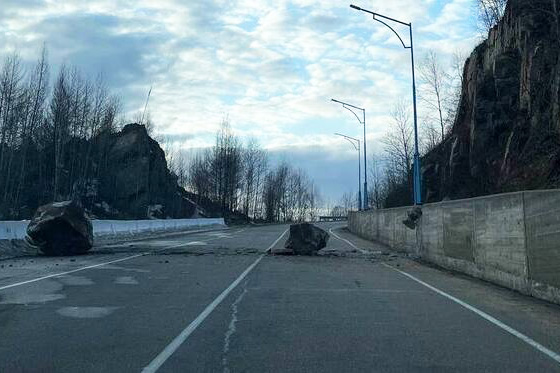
column 275, row 242
column 72, row 271
column 551, row 354
column 348, row 242
column 98, row 265
column 182, row 337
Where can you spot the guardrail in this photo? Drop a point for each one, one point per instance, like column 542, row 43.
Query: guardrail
column 333, row 218
column 17, row 230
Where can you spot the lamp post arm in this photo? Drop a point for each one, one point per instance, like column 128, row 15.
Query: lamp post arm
column 394, row 32
column 352, row 111
column 353, row 144
column 378, row 15
column 351, row 140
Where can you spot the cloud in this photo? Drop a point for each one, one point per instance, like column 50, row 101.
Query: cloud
column 271, row 67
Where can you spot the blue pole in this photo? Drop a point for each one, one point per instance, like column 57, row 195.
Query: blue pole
column 366, row 205
column 417, row 173
column 359, row 179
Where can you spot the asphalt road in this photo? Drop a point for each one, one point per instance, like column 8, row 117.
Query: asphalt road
column 212, row 302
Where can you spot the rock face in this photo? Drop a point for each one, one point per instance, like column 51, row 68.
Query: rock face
column 305, row 239
column 136, row 182
column 61, row 228
column 506, row 133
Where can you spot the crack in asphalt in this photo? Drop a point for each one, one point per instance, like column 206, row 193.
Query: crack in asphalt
column 232, row 328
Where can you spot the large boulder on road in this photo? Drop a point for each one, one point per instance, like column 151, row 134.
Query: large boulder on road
column 61, row 228
column 305, row 239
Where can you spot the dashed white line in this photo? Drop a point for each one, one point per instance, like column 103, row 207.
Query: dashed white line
column 72, row 271
column 159, row 360
column 551, row 354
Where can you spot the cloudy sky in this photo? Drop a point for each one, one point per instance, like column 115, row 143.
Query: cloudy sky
column 270, row 67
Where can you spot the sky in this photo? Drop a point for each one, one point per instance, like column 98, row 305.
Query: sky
column 270, row 67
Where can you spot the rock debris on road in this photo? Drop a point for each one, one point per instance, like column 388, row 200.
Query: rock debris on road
column 344, row 309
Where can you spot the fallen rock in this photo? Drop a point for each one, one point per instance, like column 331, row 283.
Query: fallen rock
column 413, row 216
column 60, row 228
column 305, row 239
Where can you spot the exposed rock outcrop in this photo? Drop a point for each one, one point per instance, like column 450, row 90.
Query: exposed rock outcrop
column 136, row 182
column 506, row 134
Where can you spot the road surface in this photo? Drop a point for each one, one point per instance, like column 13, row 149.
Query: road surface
column 213, row 302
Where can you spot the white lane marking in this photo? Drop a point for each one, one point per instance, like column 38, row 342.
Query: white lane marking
column 551, row 354
column 275, row 242
column 348, row 242
column 94, row 266
column 196, row 243
column 182, row 337
column 72, row 271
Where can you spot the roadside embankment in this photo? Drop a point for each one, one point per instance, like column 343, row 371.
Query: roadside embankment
column 511, row 239
column 12, row 233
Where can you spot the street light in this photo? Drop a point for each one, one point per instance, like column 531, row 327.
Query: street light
column 350, row 109
column 354, row 141
column 417, row 178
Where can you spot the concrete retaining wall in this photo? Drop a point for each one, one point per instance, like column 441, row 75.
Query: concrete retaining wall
column 510, row 239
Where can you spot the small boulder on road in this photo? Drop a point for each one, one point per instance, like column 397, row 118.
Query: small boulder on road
column 305, row 239
column 60, row 228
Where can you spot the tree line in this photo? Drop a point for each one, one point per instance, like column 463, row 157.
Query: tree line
column 46, row 152
column 52, row 148
column 240, row 178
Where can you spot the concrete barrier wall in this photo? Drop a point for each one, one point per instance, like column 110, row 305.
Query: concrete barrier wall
column 16, row 230
column 510, row 239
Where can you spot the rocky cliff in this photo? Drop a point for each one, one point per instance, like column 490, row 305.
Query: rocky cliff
column 506, row 134
column 135, row 182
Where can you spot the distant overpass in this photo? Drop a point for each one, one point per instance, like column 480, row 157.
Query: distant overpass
column 333, row 218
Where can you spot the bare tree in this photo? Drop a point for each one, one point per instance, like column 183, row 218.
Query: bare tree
column 399, row 141
column 375, row 182
column 455, row 86
column 12, row 96
column 199, row 175
column 227, row 167
column 250, row 159
column 260, row 172
column 430, row 137
column 289, row 195
column 36, row 96
column 490, row 12
column 436, row 82
column 60, row 122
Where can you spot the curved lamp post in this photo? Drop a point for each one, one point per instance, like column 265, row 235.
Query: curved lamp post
column 417, row 178
column 355, row 141
column 351, row 109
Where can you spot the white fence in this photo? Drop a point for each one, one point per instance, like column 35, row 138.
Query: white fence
column 16, row 230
